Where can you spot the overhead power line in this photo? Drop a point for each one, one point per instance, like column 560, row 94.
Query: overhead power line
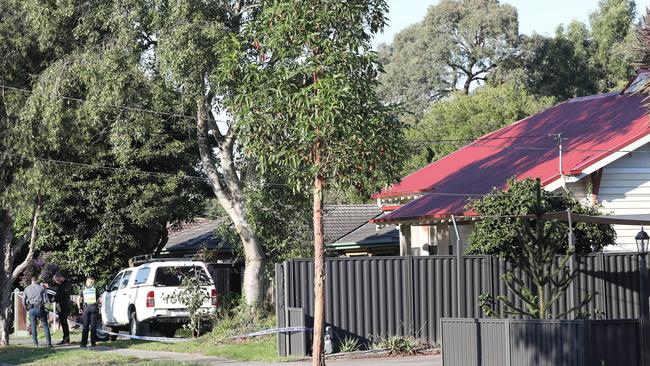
column 80, row 100
column 122, row 170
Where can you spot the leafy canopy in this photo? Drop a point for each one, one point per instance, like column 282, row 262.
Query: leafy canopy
column 455, row 47
column 312, row 109
column 463, row 118
column 540, row 272
column 498, row 236
column 86, row 63
column 581, row 59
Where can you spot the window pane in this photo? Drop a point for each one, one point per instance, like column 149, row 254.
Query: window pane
column 173, row 276
column 142, row 276
column 125, row 279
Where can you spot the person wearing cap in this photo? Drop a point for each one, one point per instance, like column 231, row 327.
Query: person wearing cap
column 62, row 299
column 88, row 301
column 34, row 300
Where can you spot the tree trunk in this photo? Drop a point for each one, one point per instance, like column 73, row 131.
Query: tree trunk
column 254, row 270
column 6, row 227
column 10, row 248
column 228, row 189
column 467, row 84
column 319, row 274
column 5, row 312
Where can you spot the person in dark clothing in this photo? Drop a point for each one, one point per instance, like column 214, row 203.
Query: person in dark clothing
column 88, row 301
column 62, row 299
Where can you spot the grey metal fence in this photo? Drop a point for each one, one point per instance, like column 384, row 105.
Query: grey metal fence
column 505, row 342
column 384, row 296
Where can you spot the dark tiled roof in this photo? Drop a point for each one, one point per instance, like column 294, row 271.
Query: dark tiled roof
column 369, row 234
column 192, row 239
column 340, row 220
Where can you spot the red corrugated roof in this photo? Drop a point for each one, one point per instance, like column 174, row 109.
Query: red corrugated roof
column 526, row 148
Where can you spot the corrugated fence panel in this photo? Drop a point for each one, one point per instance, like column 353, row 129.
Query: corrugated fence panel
column 280, row 306
column 615, row 342
column 494, row 346
column 297, row 341
column 546, row 342
column 367, row 298
column 461, row 342
column 435, row 294
column 621, row 279
column 476, row 283
column 588, row 283
column 383, row 296
column 540, row 342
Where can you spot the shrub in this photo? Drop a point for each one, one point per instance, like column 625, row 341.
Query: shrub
column 349, row 344
column 399, row 345
column 235, row 318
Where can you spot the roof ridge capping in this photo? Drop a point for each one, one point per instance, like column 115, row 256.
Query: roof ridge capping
column 593, row 97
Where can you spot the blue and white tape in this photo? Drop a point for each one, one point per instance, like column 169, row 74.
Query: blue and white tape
column 177, row 340
column 273, row 331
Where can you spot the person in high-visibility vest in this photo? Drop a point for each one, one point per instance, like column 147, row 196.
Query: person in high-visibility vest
column 88, row 302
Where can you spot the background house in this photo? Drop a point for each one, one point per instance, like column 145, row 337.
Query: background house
column 223, row 265
column 605, row 158
column 348, row 231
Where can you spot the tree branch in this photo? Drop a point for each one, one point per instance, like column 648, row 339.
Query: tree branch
column 32, row 245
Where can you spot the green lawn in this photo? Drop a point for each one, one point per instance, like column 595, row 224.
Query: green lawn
column 262, row 349
column 26, row 355
column 255, row 349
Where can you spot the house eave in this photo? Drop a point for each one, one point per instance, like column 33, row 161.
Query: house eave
column 578, row 174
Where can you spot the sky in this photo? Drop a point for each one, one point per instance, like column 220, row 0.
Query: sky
column 541, row 16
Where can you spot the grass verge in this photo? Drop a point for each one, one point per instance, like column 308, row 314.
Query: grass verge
column 26, row 355
column 255, row 349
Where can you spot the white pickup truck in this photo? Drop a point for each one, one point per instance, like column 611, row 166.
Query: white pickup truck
column 141, row 298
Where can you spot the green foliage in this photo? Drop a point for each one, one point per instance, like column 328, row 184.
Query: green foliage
column 282, row 239
column 580, row 59
column 398, row 345
column 314, row 82
column 456, row 46
column 498, row 236
column 192, row 294
column 235, row 319
column 463, row 118
column 539, row 242
column 96, row 218
column 42, row 268
column 349, row 344
column 410, row 77
column 472, row 37
column 612, row 29
column 289, row 237
column 643, row 35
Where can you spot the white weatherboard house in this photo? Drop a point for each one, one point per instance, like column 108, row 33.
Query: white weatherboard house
column 604, row 157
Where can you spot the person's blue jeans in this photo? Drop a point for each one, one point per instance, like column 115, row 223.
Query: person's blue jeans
column 34, row 315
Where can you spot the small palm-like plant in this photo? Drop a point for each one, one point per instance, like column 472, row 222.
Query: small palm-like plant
column 349, row 344
column 399, row 345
